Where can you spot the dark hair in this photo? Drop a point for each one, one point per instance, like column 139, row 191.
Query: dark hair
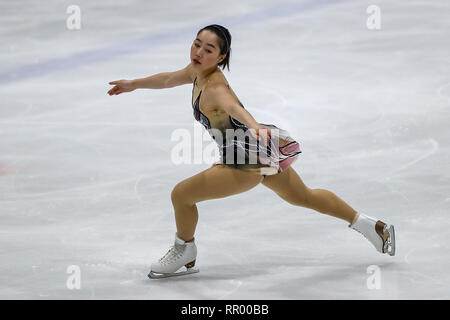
column 224, row 37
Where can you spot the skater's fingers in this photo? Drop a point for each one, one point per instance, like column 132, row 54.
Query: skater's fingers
column 113, row 90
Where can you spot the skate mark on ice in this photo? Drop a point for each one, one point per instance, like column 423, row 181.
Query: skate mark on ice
column 408, row 254
column 153, row 41
column 239, row 284
column 446, row 88
column 434, row 147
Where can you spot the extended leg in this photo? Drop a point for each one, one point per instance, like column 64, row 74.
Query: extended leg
column 290, row 187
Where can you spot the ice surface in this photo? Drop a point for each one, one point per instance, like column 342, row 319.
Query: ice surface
column 85, row 178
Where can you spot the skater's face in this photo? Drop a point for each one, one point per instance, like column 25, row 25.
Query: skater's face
column 205, row 51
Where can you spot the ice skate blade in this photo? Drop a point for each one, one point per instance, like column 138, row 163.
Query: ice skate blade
column 154, row 275
column 391, row 241
column 387, row 235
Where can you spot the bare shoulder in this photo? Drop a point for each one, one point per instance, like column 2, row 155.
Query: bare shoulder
column 218, row 94
column 217, row 85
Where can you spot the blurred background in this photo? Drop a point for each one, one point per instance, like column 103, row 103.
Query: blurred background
column 85, row 178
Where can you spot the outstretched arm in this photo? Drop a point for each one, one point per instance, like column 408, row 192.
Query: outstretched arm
column 158, row 81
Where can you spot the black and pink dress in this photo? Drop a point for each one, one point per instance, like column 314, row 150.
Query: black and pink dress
column 238, row 149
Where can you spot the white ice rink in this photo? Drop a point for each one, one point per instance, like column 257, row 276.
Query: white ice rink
column 85, row 178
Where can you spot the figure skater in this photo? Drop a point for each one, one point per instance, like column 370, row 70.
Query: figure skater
column 218, row 109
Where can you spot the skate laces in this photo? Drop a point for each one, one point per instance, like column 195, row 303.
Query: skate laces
column 173, row 254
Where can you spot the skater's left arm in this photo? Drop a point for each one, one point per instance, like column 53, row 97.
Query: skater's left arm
column 220, row 95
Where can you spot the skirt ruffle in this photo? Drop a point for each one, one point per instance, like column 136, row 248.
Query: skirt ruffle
column 282, row 153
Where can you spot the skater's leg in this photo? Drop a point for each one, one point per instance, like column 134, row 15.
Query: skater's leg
column 216, row 182
column 290, row 187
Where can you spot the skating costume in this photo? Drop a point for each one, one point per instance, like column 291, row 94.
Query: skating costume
column 184, row 254
column 240, row 150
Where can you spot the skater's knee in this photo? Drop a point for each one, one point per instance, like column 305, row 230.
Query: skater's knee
column 321, row 200
column 303, row 198
column 179, row 194
column 299, row 198
column 308, row 197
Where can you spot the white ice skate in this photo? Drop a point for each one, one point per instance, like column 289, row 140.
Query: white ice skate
column 380, row 234
column 180, row 254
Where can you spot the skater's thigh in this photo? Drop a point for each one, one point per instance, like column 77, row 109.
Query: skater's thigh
column 216, row 182
column 289, row 186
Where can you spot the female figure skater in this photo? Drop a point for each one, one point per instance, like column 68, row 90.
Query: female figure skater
column 217, row 107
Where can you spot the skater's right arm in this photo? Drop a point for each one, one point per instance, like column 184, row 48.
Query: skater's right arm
column 158, row 81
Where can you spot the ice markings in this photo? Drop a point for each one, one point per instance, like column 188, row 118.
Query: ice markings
column 444, row 91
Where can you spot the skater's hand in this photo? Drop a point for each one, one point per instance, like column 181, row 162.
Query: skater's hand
column 121, row 86
column 261, row 133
